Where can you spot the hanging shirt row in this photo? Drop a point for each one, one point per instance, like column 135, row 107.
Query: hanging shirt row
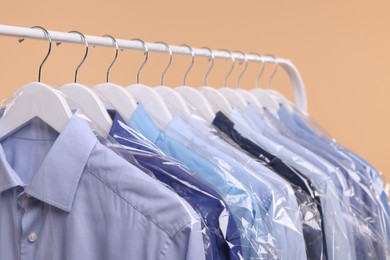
column 157, row 173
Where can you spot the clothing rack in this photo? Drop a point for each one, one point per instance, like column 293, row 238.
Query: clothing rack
column 287, row 65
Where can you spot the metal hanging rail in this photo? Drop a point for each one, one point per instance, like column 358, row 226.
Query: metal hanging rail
column 292, row 71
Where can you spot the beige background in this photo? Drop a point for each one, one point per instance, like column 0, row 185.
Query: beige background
column 342, row 49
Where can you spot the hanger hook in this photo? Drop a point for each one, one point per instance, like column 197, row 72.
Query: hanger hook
column 169, row 63
column 261, row 69
column 231, row 68
column 85, row 54
column 244, row 69
column 192, row 63
column 275, row 70
column 146, row 53
column 84, row 39
column 47, row 34
column 116, row 55
column 212, row 58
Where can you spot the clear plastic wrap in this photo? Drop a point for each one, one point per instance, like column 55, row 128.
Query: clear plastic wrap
column 307, row 207
column 300, row 125
column 311, row 130
column 309, row 204
column 366, row 181
column 363, row 211
column 222, row 243
column 274, row 196
column 334, row 228
column 195, row 133
column 309, row 215
column 256, row 240
column 220, row 232
column 64, row 195
column 188, row 137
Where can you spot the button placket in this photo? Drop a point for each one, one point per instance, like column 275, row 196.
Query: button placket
column 31, row 220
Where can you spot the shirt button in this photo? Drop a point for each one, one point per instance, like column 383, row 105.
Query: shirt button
column 32, row 237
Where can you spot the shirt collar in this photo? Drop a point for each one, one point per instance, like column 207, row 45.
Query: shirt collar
column 119, row 127
column 118, row 122
column 8, row 178
column 57, row 179
column 221, row 118
column 125, row 134
column 180, row 130
column 142, row 121
column 189, row 129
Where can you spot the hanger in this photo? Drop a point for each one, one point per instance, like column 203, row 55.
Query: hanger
column 277, row 96
column 115, row 96
column 36, row 100
column 245, row 94
column 196, row 98
column 234, row 98
column 264, row 98
column 216, row 99
column 85, row 99
column 150, row 99
column 174, row 101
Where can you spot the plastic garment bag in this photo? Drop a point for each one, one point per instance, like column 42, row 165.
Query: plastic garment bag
column 65, row 195
column 256, row 241
column 307, row 128
column 360, row 233
column 274, row 195
column 299, row 126
column 221, row 240
column 306, row 210
column 335, row 228
column 309, row 205
column 367, row 196
column 357, row 228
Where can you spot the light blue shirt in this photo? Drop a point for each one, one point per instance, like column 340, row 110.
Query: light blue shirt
column 66, row 196
column 336, row 229
column 273, row 194
column 241, row 201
